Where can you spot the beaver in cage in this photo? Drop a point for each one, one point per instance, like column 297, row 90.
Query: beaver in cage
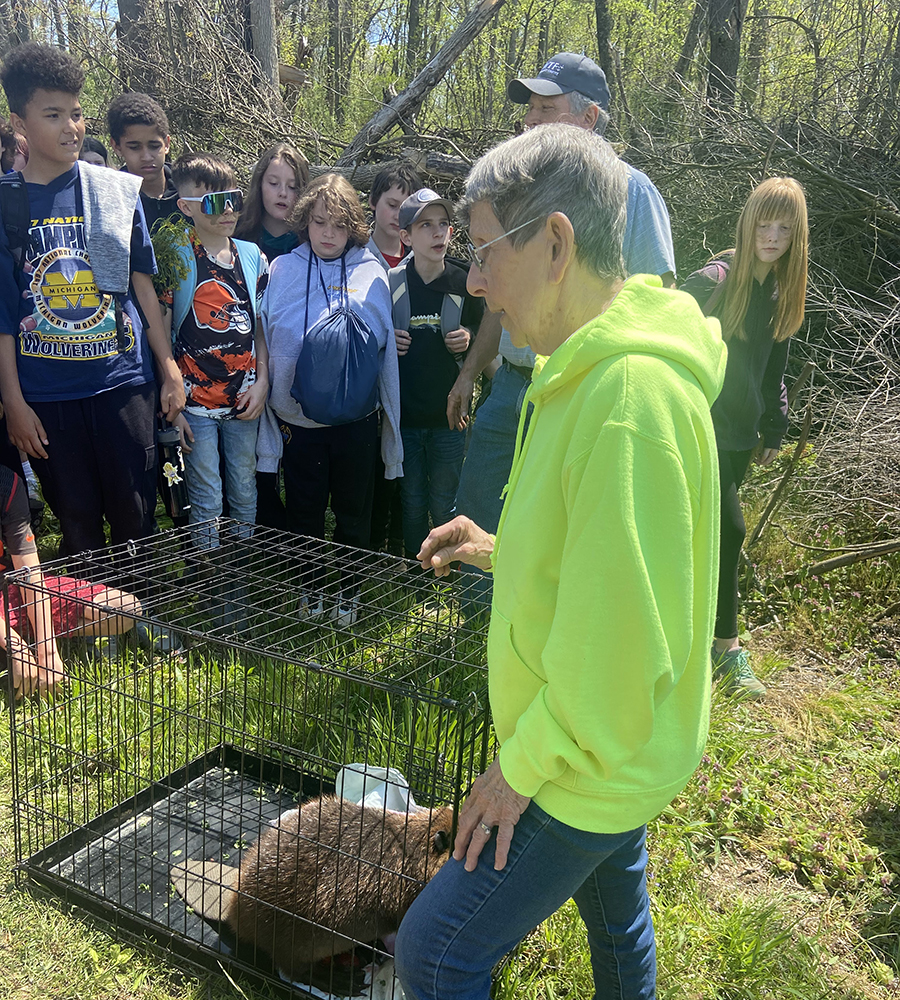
column 332, row 873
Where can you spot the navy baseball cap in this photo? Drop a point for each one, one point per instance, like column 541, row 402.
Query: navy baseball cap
column 562, row 74
column 417, row 202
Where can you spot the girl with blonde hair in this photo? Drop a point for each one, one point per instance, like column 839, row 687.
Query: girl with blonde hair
column 757, row 291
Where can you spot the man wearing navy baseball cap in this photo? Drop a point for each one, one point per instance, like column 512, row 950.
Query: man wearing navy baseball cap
column 572, row 88
column 569, row 88
column 566, row 73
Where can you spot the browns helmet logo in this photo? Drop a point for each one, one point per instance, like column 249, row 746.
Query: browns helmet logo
column 216, row 308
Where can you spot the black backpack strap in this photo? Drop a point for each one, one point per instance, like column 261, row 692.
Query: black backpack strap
column 16, row 214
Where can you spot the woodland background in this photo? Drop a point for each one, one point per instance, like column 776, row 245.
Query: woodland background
column 708, row 96
column 777, row 872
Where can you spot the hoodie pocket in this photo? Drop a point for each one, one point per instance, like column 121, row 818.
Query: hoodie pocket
column 502, row 653
column 514, row 686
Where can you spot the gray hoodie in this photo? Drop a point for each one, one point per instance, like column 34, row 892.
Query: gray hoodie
column 282, row 315
column 379, row 256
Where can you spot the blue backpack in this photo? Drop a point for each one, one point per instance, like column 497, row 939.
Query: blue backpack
column 336, row 377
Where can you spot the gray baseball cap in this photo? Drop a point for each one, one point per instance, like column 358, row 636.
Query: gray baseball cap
column 417, row 202
column 564, row 73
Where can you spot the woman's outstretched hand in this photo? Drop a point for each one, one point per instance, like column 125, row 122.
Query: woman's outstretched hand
column 459, row 540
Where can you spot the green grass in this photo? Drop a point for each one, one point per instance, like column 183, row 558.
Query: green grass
column 775, row 874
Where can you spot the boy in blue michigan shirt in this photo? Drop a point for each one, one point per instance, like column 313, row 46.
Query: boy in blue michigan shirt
column 76, row 353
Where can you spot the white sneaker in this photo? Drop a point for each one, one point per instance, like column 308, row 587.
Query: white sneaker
column 311, row 605
column 345, row 612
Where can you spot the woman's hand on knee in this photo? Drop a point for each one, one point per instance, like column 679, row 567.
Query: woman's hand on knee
column 492, row 802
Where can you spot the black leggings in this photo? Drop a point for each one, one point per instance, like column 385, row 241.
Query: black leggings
column 732, row 469
column 336, row 462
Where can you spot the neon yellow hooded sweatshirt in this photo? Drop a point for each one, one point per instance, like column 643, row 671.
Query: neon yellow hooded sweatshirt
column 605, row 566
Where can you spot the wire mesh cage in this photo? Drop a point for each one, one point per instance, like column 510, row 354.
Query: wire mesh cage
column 184, row 781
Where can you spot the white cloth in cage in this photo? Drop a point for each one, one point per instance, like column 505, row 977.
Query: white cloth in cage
column 379, row 787
column 381, row 984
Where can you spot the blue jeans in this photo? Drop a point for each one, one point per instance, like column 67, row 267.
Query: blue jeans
column 432, row 458
column 463, row 923
column 491, row 448
column 203, row 480
column 488, row 463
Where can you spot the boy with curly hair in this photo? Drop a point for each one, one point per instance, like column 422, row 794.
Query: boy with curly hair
column 139, row 130
column 76, row 354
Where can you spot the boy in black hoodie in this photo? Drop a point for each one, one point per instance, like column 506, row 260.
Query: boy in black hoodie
column 428, row 356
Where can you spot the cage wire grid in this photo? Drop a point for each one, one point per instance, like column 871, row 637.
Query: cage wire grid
column 244, row 691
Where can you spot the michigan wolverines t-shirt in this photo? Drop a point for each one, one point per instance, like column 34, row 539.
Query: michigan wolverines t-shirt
column 67, row 346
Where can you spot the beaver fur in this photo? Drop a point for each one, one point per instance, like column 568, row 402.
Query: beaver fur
column 332, row 873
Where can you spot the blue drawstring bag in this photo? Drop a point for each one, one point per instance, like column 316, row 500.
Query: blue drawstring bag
column 336, row 377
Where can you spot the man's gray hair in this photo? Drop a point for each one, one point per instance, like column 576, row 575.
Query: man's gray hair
column 556, row 168
column 578, row 104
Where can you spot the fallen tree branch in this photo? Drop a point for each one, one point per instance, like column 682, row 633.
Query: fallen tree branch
column 439, row 164
column 408, row 102
column 361, row 176
column 425, row 162
column 805, row 374
column 891, row 609
column 861, row 547
column 826, row 565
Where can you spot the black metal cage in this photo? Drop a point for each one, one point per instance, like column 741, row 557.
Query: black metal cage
column 225, row 689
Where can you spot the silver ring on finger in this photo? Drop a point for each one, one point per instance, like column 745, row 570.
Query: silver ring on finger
column 485, row 829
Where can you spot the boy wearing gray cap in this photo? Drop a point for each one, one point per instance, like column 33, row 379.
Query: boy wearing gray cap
column 434, row 319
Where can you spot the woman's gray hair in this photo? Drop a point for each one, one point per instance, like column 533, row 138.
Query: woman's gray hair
column 556, row 168
column 578, row 104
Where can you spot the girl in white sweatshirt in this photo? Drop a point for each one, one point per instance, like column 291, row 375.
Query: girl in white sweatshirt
column 331, row 265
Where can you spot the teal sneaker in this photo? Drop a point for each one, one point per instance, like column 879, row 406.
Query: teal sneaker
column 733, row 671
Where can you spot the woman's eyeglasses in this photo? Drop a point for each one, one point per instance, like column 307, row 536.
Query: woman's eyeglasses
column 217, row 202
column 475, row 252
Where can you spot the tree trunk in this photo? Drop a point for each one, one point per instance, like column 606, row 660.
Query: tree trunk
column 413, row 36
column 604, row 37
column 725, row 21
column 543, row 51
column 264, row 35
column 489, row 95
column 889, row 115
column 756, row 52
column 21, row 23
column 136, row 69
column 58, row 25
column 336, row 88
column 683, row 66
column 75, row 19
column 408, row 102
column 6, row 26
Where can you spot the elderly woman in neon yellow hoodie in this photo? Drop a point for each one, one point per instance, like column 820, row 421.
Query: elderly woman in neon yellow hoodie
column 604, row 570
